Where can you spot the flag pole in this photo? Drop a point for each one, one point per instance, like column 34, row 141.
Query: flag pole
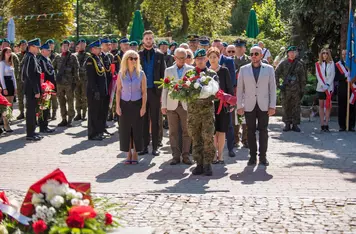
column 348, row 87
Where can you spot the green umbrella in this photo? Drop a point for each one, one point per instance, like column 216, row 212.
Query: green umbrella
column 137, row 27
column 252, row 26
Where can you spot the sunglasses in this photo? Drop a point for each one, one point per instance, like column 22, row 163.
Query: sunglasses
column 189, row 56
column 325, row 53
column 231, row 51
column 132, row 59
column 255, row 54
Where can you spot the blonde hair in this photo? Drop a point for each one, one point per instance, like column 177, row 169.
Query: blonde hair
column 124, row 66
column 329, row 59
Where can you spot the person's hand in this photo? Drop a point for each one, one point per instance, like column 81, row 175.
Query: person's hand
column 118, row 111
column 164, row 111
column 5, row 92
column 325, row 87
column 37, row 95
column 142, row 111
column 271, row 111
column 241, row 111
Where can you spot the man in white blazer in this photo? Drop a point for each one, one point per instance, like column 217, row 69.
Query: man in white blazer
column 176, row 111
column 256, row 98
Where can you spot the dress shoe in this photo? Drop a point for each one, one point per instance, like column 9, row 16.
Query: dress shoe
column 69, row 124
column 251, row 162
column 63, row 123
column 295, row 128
column 198, row 170
column 143, row 152
column 116, row 117
column 232, row 154
column 286, row 128
column 21, row 116
column 47, row 130
column 155, row 152
column 38, row 135
column 174, row 161
column 342, row 129
column 54, row 117
column 186, row 160
column 78, row 117
column 160, row 144
column 326, row 128
column 208, row 171
column 33, row 138
column 264, row 162
column 110, row 117
column 96, row 138
column 9, row 130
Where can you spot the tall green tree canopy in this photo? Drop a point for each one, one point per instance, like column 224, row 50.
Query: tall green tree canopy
column 239, row 16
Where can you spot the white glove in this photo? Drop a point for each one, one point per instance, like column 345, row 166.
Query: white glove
column 325, row 87
column 347, row 74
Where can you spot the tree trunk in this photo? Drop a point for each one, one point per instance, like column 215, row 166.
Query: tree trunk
column 343, row 30
column 183, row 11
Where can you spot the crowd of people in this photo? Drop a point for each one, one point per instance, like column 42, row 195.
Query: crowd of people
column 116, row 80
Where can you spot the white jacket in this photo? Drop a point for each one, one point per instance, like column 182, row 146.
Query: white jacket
column 329, row 79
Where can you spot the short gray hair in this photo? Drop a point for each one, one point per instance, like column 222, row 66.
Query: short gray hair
column 256, row 48
column 184, row 45
column 180, row 50
column 230, row 46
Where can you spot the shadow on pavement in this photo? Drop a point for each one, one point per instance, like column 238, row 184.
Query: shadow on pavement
column 168, row 172
column 249, row 176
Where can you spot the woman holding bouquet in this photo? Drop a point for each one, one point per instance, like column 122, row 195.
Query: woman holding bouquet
column 131, row 96
column 7, row 81
column 222, row 119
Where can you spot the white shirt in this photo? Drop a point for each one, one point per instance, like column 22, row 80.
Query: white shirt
column 6, row 70
column 328, row 73
column 268, row 53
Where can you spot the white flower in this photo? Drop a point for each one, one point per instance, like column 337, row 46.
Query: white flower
column 188, row 83
column 42, row 216
column 39, row 209
column 75, row 202
column 57, row 201
column 50, row 189
column 79, row 195
column 202, row 74
column 3, row 230
column 203, row 78
column 196, row 85
column 52, row 211
column 62, row 189
column 86, row 202
column 71, row 194
column 37, row 199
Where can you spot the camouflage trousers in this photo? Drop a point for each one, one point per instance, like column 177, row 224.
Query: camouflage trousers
column 66, row 96
column 238, row 136
column 201, row 130
column 81, row 103
column 20, row 95
column 291, row 107
column 54, row 103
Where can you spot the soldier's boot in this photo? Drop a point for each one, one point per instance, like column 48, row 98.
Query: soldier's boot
column 69, row 124
column 54, row 117
column 63, row 123
column 287, row 128
column 78, row 117
column 198, row 170
column 110, row 116
column 208, row 171
column 295, row 128
column 21, row 116
column 84, row 115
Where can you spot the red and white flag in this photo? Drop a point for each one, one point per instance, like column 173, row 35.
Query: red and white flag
column 353, row 94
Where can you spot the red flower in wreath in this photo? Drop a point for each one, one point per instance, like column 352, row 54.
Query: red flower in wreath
column 39, row 227
column 83, row 211
column 1, row 216
column 75, row 221
column 167, row 80
column 176, row 87
column 185, row 79
column 108, row 219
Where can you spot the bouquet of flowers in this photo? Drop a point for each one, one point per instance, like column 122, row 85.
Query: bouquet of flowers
column 44, row 102
column 5, row 107
column 191, row 87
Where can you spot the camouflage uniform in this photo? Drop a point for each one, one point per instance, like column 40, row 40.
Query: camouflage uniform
column 54, row 101
column 66, row 82
column 80, row 89
column 293, row 90
column 201, row 127
column 238, row 64
column 20, row 84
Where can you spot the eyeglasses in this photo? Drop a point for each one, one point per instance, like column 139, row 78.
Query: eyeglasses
column 231, row 51
column 180, row 58
column 255, row 54
column 132, row 59
column 325, row 53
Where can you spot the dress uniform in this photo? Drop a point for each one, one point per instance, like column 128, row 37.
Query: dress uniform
column 31, row 72
column 96, row 93
column 115, row 45
column 193, row 41
column 204, row 43
column 19, row 82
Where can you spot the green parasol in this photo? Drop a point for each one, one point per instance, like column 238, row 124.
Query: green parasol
column 137, row 27
column 252, row 26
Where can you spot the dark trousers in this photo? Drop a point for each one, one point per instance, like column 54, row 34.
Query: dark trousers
column 153, row 107
column 106, row 102
column 43, row 120
column 95, row 117
column 342, row 105
column 230, row 138
column 31, row 104
column 262, row 124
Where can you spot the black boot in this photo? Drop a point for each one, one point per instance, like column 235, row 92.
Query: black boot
column 286, row 128
column 54, row 115
column 69, row 123
column 110, row 116
column 208, row 170
column 21, row 116
column 63, row 123
column 198, row 170
column 78, row 117
column 295, row 128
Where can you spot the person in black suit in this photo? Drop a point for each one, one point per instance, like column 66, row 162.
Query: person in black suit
column 154, row 65
column 31, row 72
column 96, row 92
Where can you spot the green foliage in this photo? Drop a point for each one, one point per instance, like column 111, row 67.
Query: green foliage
column 239, row 16
column 310, row 90
column 57, row 27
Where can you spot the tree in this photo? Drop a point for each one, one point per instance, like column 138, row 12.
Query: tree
column 57, row 27
column 239, row 16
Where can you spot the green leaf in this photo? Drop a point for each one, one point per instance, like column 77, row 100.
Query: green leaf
column 75, row 231
column 87, row 231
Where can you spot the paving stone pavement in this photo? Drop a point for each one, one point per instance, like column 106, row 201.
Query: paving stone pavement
column 313, row 168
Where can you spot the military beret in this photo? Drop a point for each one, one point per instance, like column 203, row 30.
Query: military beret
column 200, row 53
column 65, row 42
column 81, row 40
column 0, row 41
column 193, row 37
column 225, row 44
column 23, row 42
column 50, row 41
column 96, row 43
column 124, row 40
column 45, row 46
column 240, row 43
column 291, row 48
column 35, row 42
column 163, row 43
column 133, row 43
column 114, row 40
column 173, row 43
column 5, row 40
column 105, row 40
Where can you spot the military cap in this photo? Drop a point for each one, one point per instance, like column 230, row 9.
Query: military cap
column 225, row 44
column 65, row 42
column 35, row 42
column 96, row 43
column 50, row 41
column 81, row 40
column 114, row 40
column 217, row 40
column 133, row 43
column 105, row 40
column 163, row 43
column 45, row 46
column 5, row 40
column 291, row 48
column 200, row 53
column 204, row 42
column 240, row 43
column 22, row 42
column 173, row 43
column 193, row 37
column 124, row 40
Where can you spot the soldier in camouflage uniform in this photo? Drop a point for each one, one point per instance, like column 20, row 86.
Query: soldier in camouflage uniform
column 201, row 122
column 67, row 75
column 19, row 82
column 290, row 76
column 54, row 101
column 81, row 104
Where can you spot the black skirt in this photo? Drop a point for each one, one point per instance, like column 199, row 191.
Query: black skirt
column 321, row 95
column 131, row 125
column 10, row 87
column 222, row 119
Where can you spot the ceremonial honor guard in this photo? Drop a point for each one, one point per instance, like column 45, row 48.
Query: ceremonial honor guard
column 134, row 46
column 48, row 71
column 96, row 92
column 193, row 42
column 204, row 43
column 54, row 100
column 19, row 82
column 114, row 46
column 163, row 47
column 31, row 72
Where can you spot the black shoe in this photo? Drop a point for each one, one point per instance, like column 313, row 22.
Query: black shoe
column 326, row 128
column 78, row 117
column 69, row 124
column 286, row 128
column 198, row 170
column 21, row 116
column 145, row 151
column 232, row 154
column 295, row 128
column 64, row 123
column 47, row 130
column 155, row 152
column 53, row 116
column 110, row 117
column 174, row 162
column 160, row 144
column 38, row 135
column 9, row 130
column 116, row 117
column 264, row 162
column 106, row 125
column 251, row 162
column 208, row 170
column 33, row 138
column 96, row 138
column 342, row 129
column 322, row 128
